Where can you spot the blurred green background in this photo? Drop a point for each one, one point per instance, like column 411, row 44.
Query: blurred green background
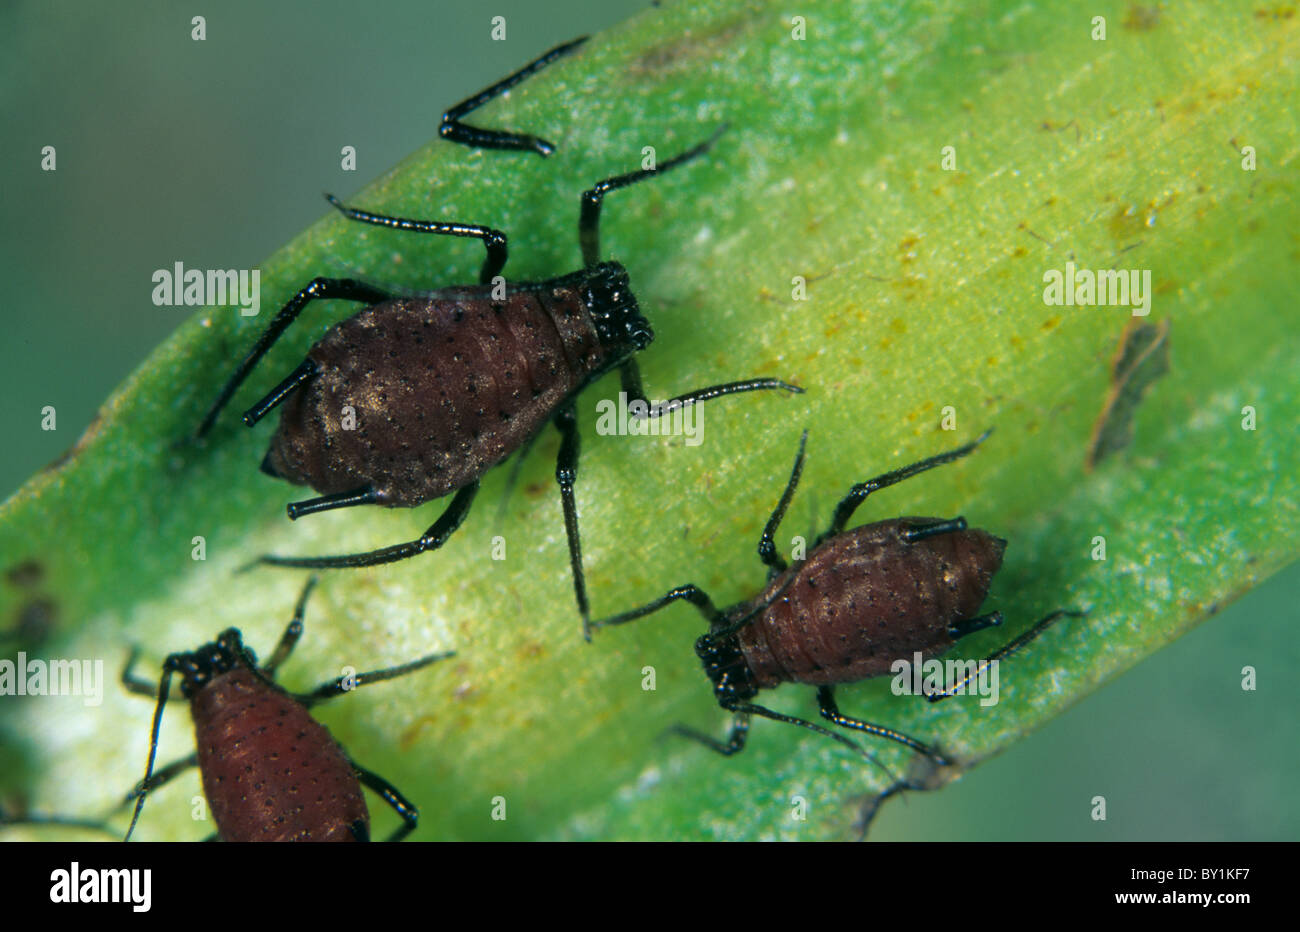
column 216, row 153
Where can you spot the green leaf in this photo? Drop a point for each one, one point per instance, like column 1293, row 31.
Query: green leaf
column 924, row 292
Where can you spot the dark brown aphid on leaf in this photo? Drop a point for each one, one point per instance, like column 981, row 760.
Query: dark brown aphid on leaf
column 415, row 398
column 270, row 771
column 861, row 600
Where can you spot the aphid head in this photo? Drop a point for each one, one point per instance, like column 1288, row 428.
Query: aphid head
column 726, row 666
column 200, row 667
column 608, row 298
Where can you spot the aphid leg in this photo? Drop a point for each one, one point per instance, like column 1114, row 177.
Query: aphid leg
column 345, row 684
column 767, row 551
column 305, row 372
column 319, row 289
column 965, row 626
column 133, row 683
column 869, row 808
column 691, row 593
column 1005, row 651
column 750, row 708
column 362, row 496
column 164, row 687
column 830, row 711
column 859, row 492
column 589, row 215
column 566, row 473
column 36, row 818
column 401, row 805
column 160, row 776
column 921, row 532
column 478, row 138
column 289, row 640
column 493, row 240
column 631, row 377
column 157, row 779
column 734, row 744
column 432, row 539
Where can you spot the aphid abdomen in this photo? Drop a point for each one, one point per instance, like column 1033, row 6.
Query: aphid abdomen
column 270, row 771
column 417, row 398
column 866, row 598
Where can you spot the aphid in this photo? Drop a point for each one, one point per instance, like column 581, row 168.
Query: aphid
column 270, row 771
column 414, row 398
column 859, row 601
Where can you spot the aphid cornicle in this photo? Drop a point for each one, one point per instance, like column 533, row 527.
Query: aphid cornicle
column 861, row 599
column 270, row 771
column 415, row 398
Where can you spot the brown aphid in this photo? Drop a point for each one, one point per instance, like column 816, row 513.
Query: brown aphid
column 270, row 771
column 864, row 598
column 416, row 397
column 861, row 600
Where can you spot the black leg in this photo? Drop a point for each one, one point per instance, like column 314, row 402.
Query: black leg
column 566, row 473
column 157, row 779
column 734, row 744
column 589, row 216
column 364, row 496
column 921, row 532
column 160, row 776
column 403, row 807
column 164, row 687
column 689, row 592
column 477, row 138
column 319, row 289
column 717, row 391
column 630, row 374
column 432, row 539
column 133, row 683
column 1005, row 651
column 33, row 818
column 305, row 372
column 859, row 492
column 831, row 712
column 345, row 684
column 289, row 640
column 869, row 809
column 493, row 240
column 751, row 709
column 965, row 626
column 766, row 545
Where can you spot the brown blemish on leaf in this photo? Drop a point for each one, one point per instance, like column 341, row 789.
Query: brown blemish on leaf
column 87, row 437
column 34, row 621
column 1051, row 126
column 1129, row 221
column 1142, row 358
column 688, row 52
column 26, row 574
column 1141, row 18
